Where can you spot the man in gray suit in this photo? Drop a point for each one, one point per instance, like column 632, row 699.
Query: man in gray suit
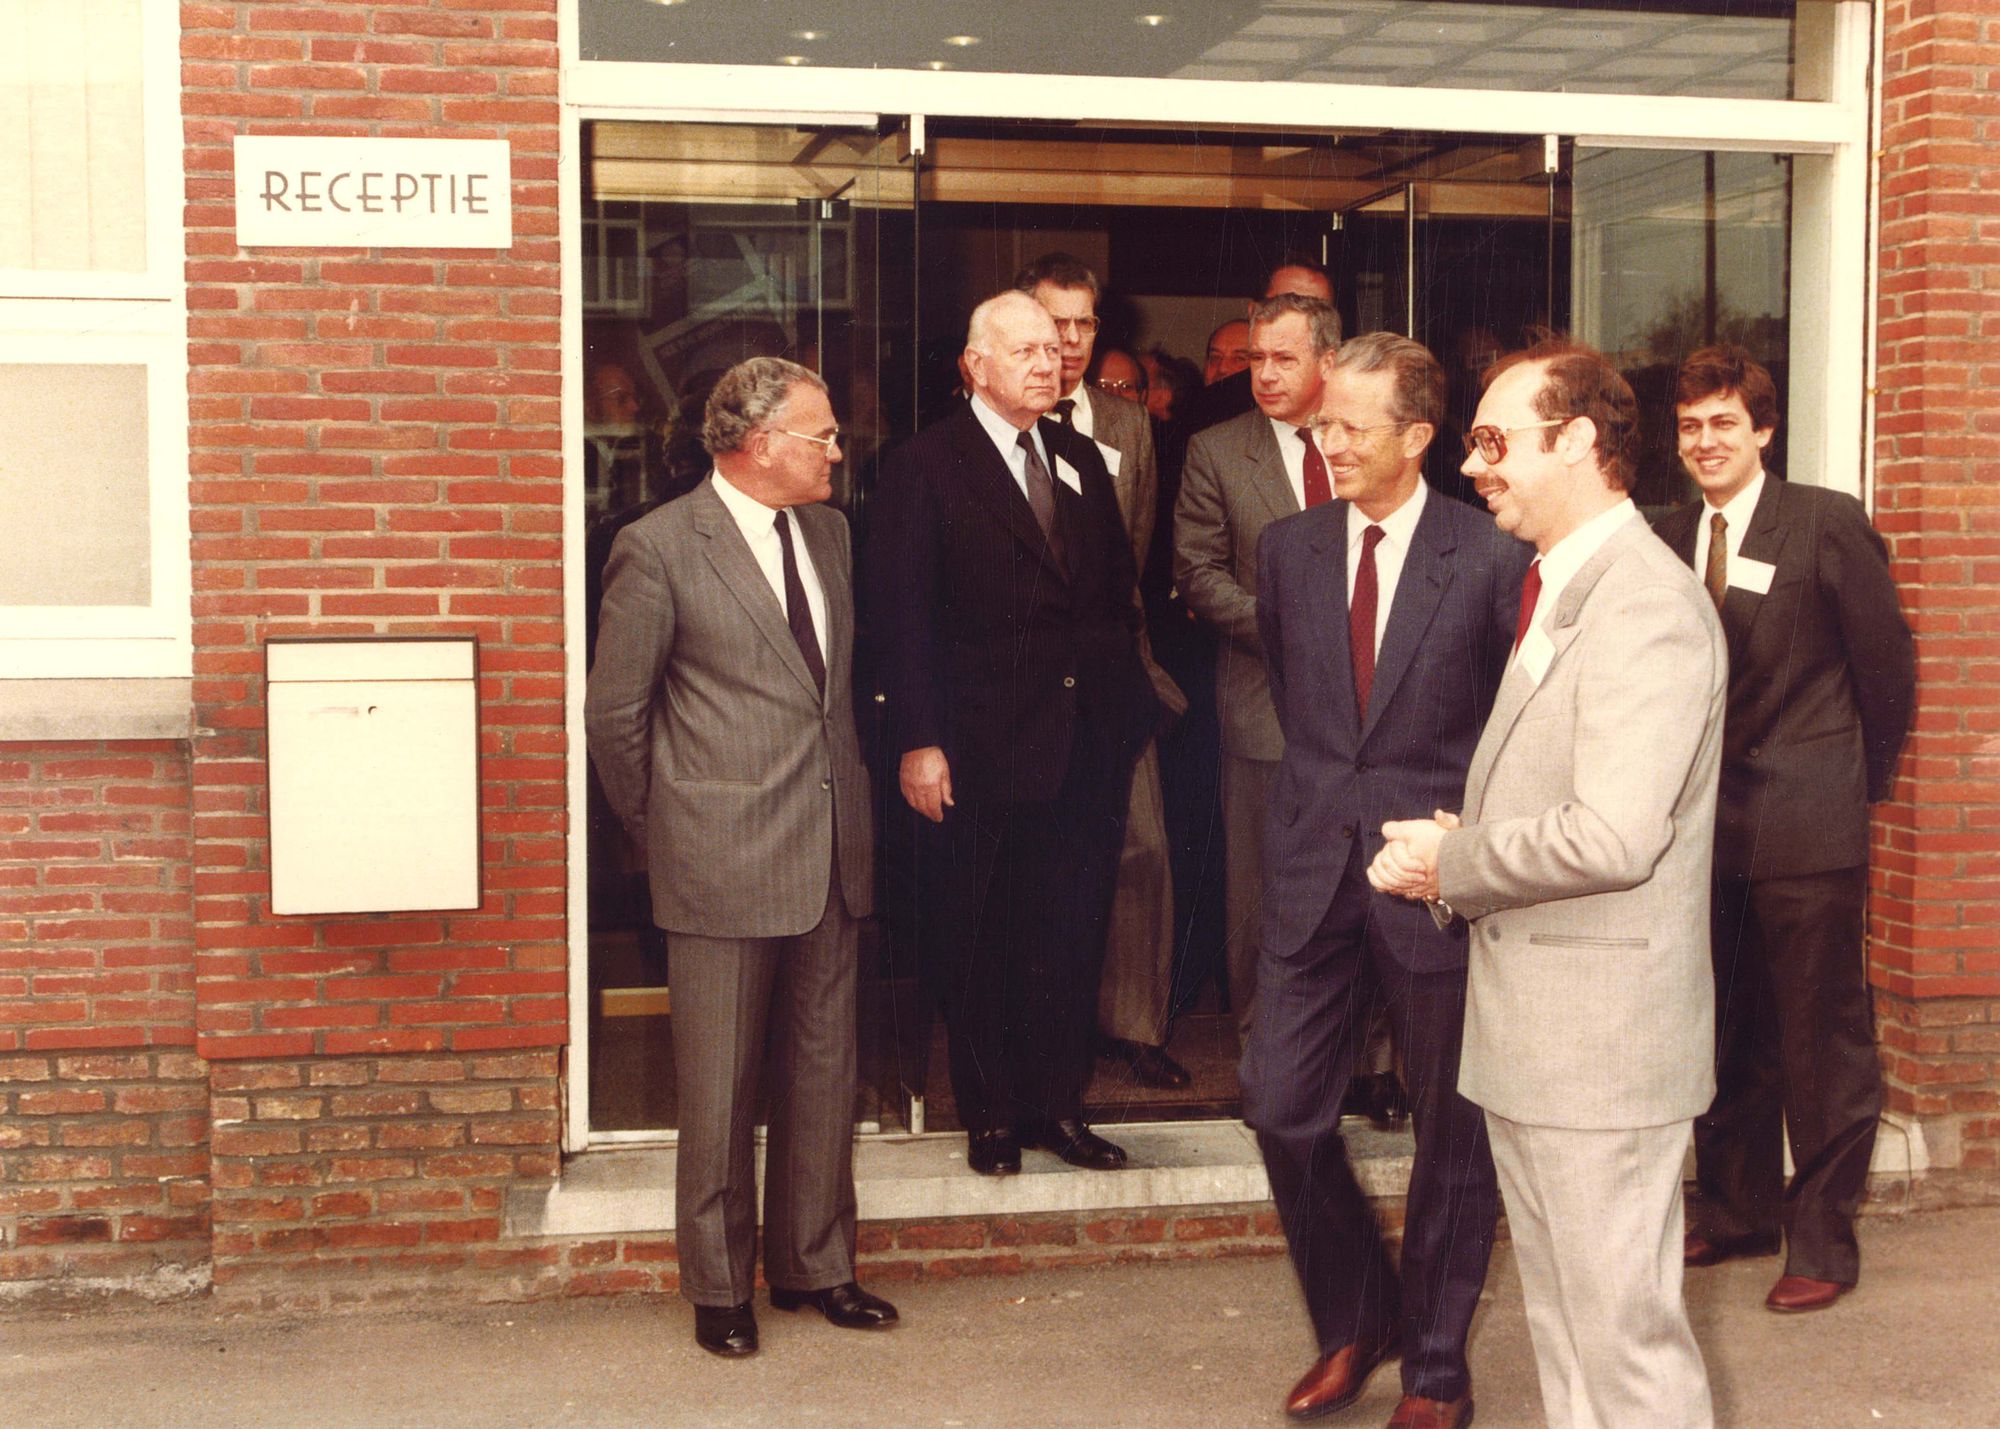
column 720, row 718
column 1133, row 993
column 1583, row 866
column 1240, row 476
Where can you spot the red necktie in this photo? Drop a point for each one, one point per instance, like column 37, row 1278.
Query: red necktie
column 1361, row 620
column 1531, row 591
column 1318, row 489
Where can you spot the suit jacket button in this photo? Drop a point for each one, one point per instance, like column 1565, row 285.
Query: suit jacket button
column 1069, row 682
column 1755, row 751
column 1360, row 766
column 881, row 699
column 1347, row 831
column 826, row 783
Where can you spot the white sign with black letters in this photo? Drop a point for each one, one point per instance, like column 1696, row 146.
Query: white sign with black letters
column 295, row 191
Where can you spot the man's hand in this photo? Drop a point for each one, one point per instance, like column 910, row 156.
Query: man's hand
column 926, row 779
column 1408, row 863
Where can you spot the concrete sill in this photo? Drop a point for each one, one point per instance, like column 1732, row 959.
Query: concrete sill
column 907, row 1178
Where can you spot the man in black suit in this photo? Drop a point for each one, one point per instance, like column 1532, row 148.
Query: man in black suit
column 1004, row 586
column 1387, row 616
column 1822, row 686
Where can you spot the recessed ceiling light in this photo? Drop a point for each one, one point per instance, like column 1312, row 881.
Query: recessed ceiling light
column 668, row 2
column 793, row 60
column 1153, row 22
column 962, row 41
column 937, row 64
column 808, row 35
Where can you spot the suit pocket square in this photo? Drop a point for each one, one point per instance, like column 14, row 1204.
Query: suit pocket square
column 1573, row 940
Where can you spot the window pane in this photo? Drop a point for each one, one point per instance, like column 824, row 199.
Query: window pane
column 1740, row 49
column 75, row 524
column 72, row 174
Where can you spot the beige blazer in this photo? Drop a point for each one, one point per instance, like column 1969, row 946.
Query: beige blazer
column 1233, row 485
column 1124, row 426
column 743, row 785
column 1584, row 863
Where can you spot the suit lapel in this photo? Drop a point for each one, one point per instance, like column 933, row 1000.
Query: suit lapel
column 820, row 538
column 989, row 479
column 730, row 555
column 1764, row 541
column 1329, row 598
column 1265, row 468
column 1427, row 573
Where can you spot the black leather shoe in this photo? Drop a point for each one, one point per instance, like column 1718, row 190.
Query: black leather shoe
column 993, row 1153
column 1080, row 1146
column 1698, row 1250
column 726, row 1330
column 1388, row 1103
column 848, row 1306
column 1150, row 1066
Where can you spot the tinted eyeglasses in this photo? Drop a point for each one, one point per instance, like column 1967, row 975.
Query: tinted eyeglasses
column 1491, row 442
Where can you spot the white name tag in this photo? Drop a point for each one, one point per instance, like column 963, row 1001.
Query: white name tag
column 1536, row 653
column 1113, row 458
column 1746, row 574
column 1067, row 475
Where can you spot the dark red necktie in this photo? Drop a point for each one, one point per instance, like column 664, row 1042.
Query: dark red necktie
column 1361, row 619
column 1531, row 591
column 1318, row 489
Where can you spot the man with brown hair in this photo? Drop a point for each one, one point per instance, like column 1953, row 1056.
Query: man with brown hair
column 1821, row 689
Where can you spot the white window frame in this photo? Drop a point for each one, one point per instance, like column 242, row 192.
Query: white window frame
column 1832, row 280
column 137, row 319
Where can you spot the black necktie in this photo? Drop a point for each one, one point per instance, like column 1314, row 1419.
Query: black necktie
column 798, row 614
column 1066, row 411
column 1041, row 495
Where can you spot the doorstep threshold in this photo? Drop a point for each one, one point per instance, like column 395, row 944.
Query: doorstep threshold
column 630, row 1190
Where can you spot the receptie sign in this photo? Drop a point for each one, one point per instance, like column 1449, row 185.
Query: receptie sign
column 309, row 192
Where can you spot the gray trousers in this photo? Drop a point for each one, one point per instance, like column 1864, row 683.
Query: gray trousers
column 1133, row 993
column 733, row 997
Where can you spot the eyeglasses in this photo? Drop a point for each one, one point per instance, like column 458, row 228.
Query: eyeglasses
column 1112, row 384
column 1491, row 442
column 1322, row 425
column 1076, row 327
column 826, row 444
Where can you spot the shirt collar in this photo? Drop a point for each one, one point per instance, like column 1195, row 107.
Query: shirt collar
column 1004, row 433
column 1568, row 555
column 1399, row 525
column 753, row 517
column 1737, row 508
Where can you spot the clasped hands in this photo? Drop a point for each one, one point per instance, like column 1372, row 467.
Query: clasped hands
column 1407, row 866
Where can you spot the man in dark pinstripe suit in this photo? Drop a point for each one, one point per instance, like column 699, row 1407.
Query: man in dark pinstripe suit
column 720, row 718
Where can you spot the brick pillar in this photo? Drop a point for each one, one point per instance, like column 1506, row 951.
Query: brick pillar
column 376, row 448
column 1935, row 914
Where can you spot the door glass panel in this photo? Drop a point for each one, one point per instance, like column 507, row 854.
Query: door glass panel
column 1672, row 250
column 704, row 245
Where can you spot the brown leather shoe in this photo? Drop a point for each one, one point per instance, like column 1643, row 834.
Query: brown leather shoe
column 1338, row 1377
column 1699, row 1250
column 1416, row 1412
column 1796, row 1294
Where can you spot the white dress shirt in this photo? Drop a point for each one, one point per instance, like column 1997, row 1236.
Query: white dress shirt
column 759, row 525
column 1568, row 556
column 1007, row 437
column 1399, row 528
column 1082, row 418
column 1292, row 452
column 1736, row 513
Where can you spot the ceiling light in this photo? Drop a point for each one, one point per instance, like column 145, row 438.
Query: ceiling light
column 1153, row 22
column 808, row 35
column 937, row 64
column 793, row 60
column 669, row 2
column 962, row 41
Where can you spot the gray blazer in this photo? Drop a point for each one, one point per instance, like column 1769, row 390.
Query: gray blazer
column 744, row 787
column 1233, row 485
column 1124, row 426
column 1584, row 863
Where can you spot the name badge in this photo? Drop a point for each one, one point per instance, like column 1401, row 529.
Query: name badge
column 1536, row 653
column 1113, row 458
column 1750, row 575
column 1068, row 476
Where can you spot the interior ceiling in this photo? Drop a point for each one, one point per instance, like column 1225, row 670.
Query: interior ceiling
column 1445, row 175
column 1720, row 48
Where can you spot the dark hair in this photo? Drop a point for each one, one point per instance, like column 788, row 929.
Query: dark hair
column 1322, row 318
column 1060, row 270
column 1579, row 381
column 1417, row 392
column 1725, row 370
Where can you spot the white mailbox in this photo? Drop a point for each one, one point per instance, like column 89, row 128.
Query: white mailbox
column 374, row 774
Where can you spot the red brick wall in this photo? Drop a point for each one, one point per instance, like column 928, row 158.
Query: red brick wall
column 103, row 1107
column 1935, row 917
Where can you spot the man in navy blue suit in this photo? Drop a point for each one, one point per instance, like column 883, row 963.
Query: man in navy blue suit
column 1387, row 618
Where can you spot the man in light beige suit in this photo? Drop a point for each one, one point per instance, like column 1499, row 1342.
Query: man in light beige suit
column 1240, row 476
column 1133, row 993
column 1583, row 865
column 720, row 717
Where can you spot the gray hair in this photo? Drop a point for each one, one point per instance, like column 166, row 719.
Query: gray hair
column 745, row 398
column 1058, row 270
column 979, row 332
column 1417, row 392
column 1322, row 318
